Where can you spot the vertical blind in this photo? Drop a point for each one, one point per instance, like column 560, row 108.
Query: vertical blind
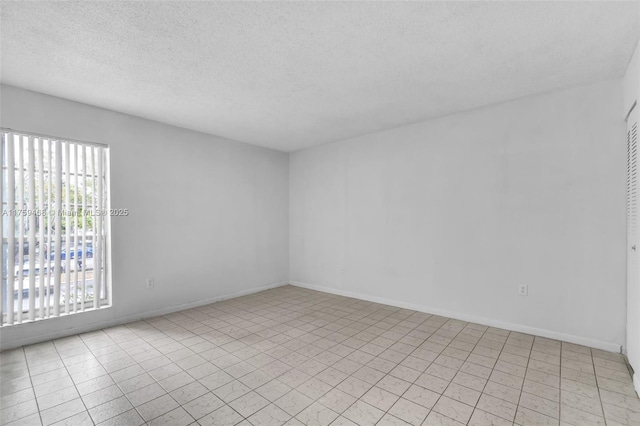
column 632, row 178
column 55, row 227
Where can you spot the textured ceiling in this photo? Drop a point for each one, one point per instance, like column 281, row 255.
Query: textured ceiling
column 292, row 75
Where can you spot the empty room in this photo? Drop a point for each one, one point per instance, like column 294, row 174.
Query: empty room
column 345, row 213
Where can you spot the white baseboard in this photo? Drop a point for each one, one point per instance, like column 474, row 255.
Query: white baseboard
column 98, row 325
column 83, row 328
column 636, row 382
column 585, row 341
column 197, row 303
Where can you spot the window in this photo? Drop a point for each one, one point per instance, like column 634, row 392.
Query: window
column 55, row 227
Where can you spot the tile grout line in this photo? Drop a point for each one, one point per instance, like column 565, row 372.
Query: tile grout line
column 515, row 415
column 560, row 384
column 75, row 385
column 292, row 367
column 489, row 378
column 597, row 387
column 353, row 351
column 400, row 363
column 297, row 317
column 33, row 388
column 119, row 386
column 451, row 381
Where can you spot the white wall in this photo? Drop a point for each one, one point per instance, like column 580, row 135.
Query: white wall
column 631, row 81
column 447, row 216
column 632, row 94
column 451, row 215
column 209, row 216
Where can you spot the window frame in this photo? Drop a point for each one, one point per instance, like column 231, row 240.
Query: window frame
column 23, row 315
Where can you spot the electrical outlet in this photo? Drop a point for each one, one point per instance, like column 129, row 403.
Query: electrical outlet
column 151, row 283
column 523, row 290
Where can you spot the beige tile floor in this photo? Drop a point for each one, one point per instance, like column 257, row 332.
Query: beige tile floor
column 298, row 357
